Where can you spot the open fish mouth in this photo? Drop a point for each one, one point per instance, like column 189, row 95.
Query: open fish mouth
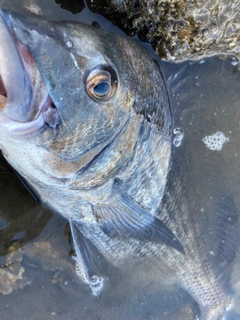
column 25, row 105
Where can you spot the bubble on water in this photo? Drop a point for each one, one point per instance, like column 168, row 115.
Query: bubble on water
column 237, row 49
column 234, row 61
column 79, row 270
column 96, row 284
column 215, row 141
column 69, row 43
column 212, row 253
column 178, row 136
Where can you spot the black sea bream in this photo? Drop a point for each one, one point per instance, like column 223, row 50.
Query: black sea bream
column 85, row 119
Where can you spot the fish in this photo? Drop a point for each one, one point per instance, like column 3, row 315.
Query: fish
column 85, row 119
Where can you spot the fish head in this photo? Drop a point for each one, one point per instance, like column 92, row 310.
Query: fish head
column 68, row 91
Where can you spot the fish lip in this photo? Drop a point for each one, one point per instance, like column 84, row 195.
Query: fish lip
column 9, row 119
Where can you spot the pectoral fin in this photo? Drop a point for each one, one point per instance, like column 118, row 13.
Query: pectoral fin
column 127, row 219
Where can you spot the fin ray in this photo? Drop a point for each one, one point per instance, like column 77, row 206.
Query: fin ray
column 125, row 218
column 85, row 266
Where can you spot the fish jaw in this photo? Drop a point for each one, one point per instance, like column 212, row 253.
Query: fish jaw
column 24, row 99
column 14, row 79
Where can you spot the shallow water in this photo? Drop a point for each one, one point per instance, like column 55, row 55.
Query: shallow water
column 35, row 252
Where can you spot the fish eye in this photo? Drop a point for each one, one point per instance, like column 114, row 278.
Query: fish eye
column 102, row 89
column 101, row 83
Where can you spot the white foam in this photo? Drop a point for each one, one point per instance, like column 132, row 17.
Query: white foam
column 215, row 141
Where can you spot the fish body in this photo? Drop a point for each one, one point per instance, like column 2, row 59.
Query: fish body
column 89, row 128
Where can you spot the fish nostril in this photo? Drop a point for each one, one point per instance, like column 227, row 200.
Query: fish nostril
column 50, row 113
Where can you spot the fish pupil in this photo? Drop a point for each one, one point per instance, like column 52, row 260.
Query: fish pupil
column 101, row 89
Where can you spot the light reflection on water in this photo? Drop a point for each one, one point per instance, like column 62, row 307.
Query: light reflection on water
column 205, row 99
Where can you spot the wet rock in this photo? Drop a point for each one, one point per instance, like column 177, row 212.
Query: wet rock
column 12, row 273
column 21, row 220
column 71, row 5
column 177, row 29
column 51, row 248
